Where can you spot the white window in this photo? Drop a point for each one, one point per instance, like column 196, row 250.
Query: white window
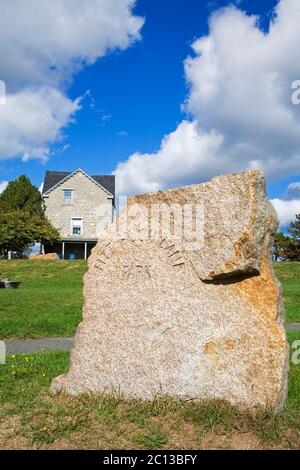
column 76, row 227
column 68, row 197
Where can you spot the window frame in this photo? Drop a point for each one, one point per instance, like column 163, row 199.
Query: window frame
column 72, row 226
column 70, row 203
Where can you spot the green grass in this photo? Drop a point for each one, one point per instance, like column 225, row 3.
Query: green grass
column 294, row 374
column 31, row 418
column 24, row 376
column 48, row 302
column 289, row 276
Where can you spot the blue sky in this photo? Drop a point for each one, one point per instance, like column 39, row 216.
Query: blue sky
column 132, row 98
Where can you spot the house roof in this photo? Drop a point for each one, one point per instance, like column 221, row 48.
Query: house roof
column 53, row 178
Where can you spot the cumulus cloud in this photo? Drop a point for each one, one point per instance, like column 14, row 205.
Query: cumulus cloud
column 33, row 119
column 293, row 191
column 46, row 42
column 41, row 48
column 288, row 207
column 286, row 210
column 182, row 153
column 239, row 99
column 3, row 185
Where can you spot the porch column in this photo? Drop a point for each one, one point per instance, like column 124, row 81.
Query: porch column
column 85, row 251
column 63, row 250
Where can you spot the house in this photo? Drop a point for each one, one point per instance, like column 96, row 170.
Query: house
column 81, row 207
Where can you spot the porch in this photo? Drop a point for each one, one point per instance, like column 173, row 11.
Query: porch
column 72, row 249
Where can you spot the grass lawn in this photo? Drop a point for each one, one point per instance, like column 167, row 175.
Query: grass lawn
column 49, row 301
column 289, row 275
column 31, row 418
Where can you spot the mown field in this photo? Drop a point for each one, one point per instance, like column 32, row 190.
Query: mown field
column 289, row 276
column 30, row 418
column 49, row 301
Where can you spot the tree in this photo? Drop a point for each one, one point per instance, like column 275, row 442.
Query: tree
column 22, row 219
column 18, row 229
column 21, row 195
column 292, row 250
column 288, row 247
column 281, row 241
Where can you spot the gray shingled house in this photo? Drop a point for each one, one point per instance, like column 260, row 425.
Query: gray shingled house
column 81, row 207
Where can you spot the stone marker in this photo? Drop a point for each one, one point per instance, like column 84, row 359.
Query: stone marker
column 46, row 257
column 196, row 316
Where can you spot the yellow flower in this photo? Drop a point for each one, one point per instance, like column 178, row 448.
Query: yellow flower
column 26, row 359
column 12, row 366
column 44, row 375
column 13, row 356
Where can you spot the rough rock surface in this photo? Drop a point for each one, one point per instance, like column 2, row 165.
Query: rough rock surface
column 47, row 257
column 162, row 318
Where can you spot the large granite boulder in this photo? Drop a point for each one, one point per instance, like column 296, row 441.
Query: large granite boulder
column 198, row 316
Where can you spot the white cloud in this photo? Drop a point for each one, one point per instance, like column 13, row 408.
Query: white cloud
column 42, row 45
column 46, row 42
column 182, row 153
column 240, row 100
column 3, row 185
column 33, row 119
column 122, row 134
column 293, row 191
column 105, row 117
column 286, row 210
column 288, row 207
column 65, row 148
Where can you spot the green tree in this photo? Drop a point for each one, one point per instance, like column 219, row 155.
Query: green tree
column 22, row 218
column 292, row 250
column 281, row 241
column 22, row 195
column 18, row 229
